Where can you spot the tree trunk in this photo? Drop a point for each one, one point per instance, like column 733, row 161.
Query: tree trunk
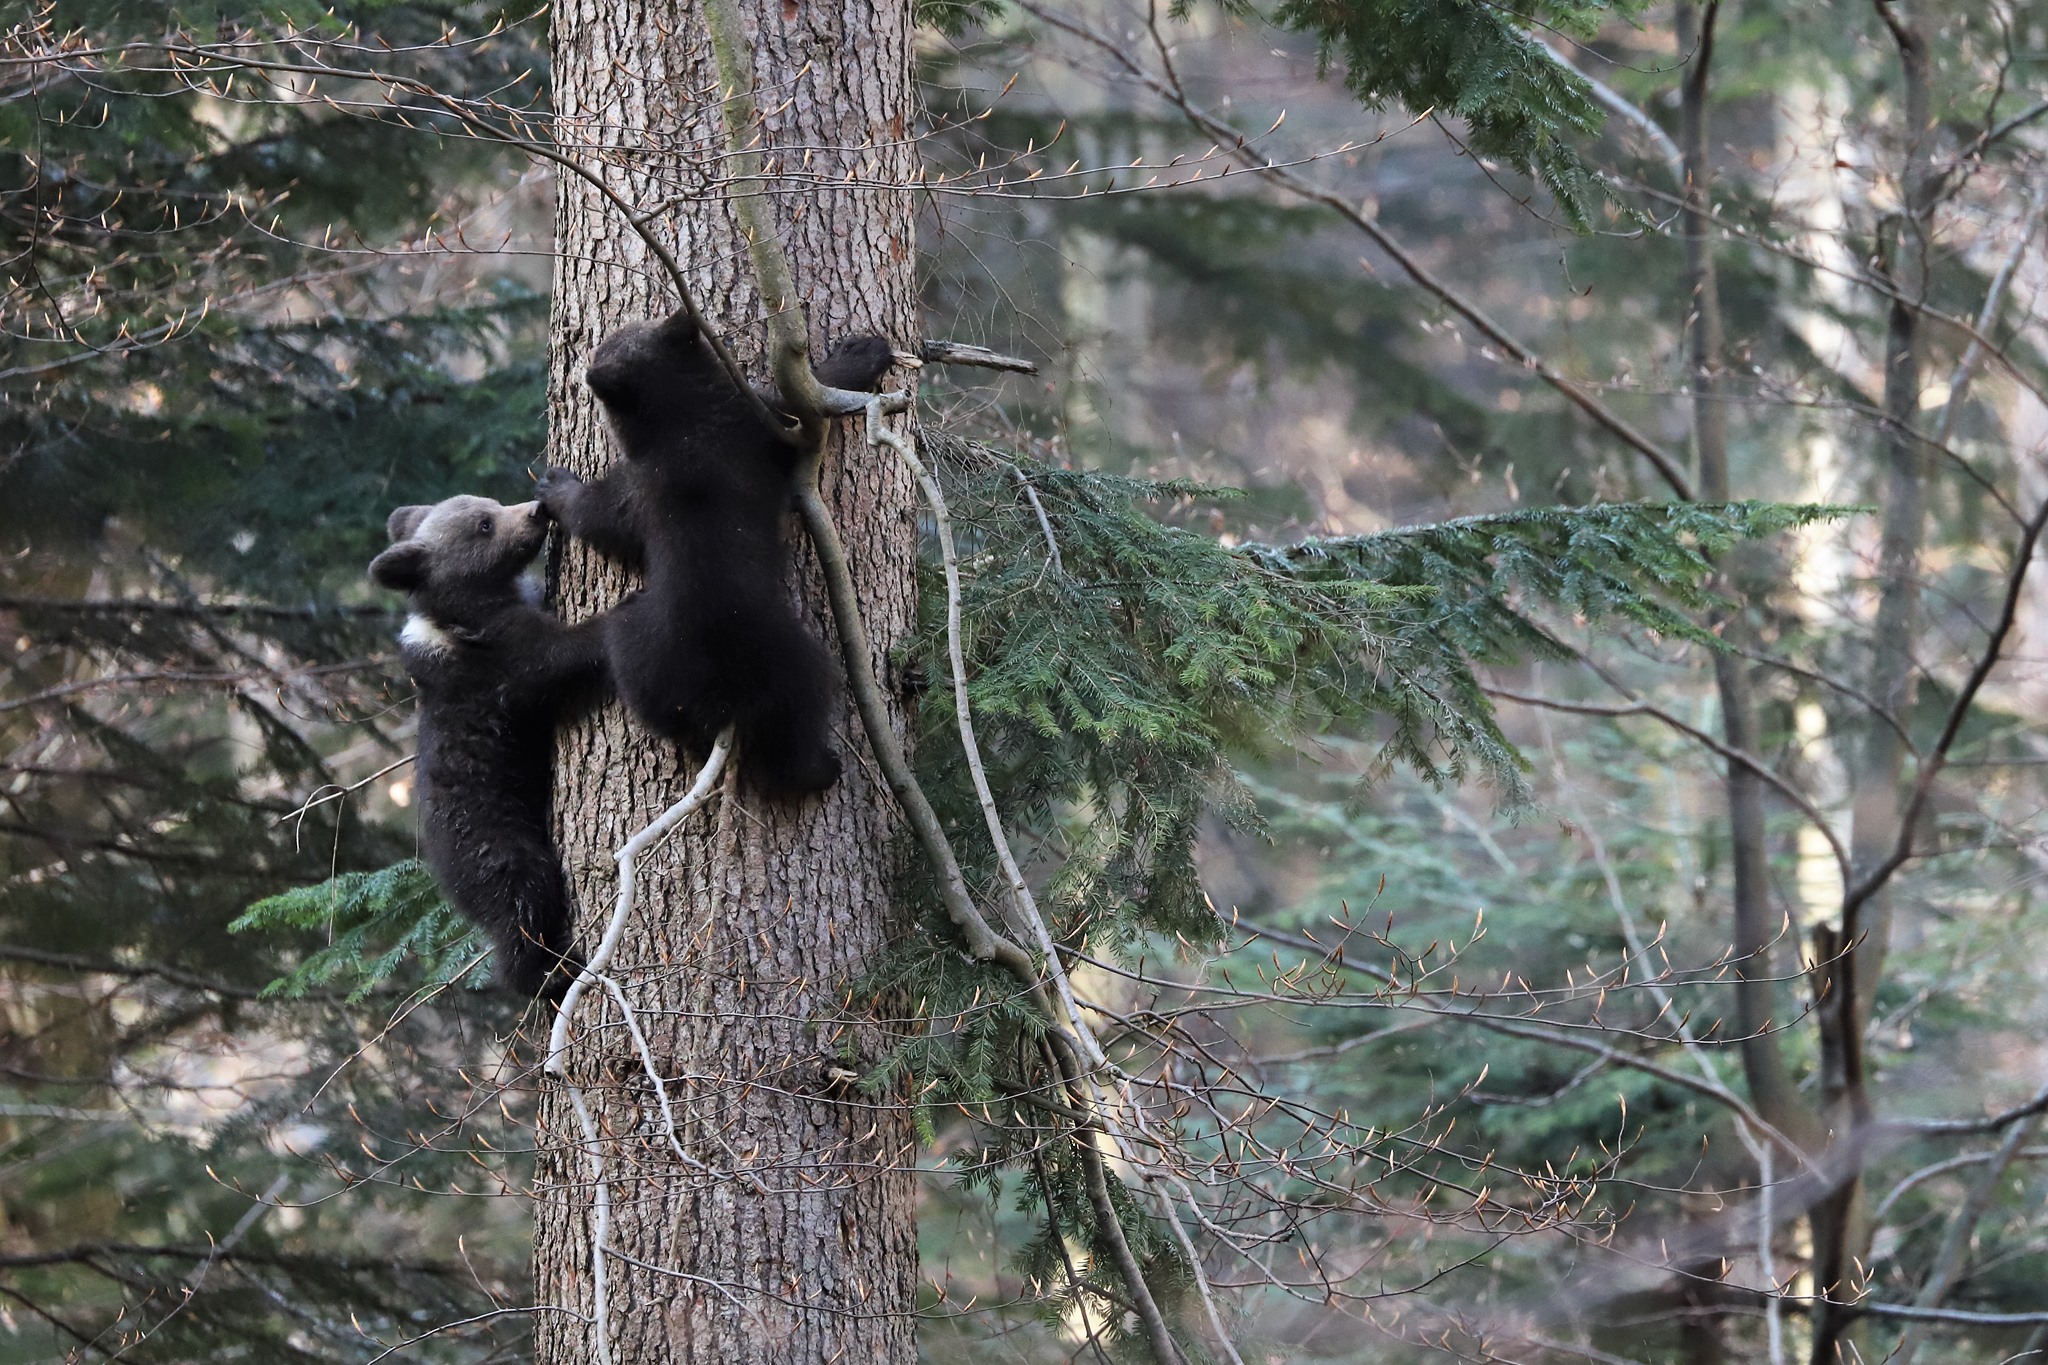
column 1841, row 1226
column 787, row 1235
column 1755, row 929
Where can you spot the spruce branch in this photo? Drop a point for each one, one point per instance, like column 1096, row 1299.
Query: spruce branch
column 1024, row 903
column 1026, row 906
column 1619, row 105
column 189, row 60
column 1075, row 1052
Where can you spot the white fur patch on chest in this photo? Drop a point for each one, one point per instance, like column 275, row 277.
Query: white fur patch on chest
column 423, row 635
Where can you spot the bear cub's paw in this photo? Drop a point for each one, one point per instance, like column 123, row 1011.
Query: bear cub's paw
column 554, row 488
column 857, row 363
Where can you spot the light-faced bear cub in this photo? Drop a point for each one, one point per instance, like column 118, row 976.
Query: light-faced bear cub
column 698, row 506
column 495, row 674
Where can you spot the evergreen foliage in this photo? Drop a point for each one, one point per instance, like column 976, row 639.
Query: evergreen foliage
column 1459, row 59
column 202, row 502
column 214, row 385
column 165, row 370
column 1119, row 666
column 1116, row 682
column 954, row 17
column 1474, row 62
column 374, row 925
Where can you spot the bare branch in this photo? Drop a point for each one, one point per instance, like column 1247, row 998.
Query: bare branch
column 1241, row 148
column 961, row 353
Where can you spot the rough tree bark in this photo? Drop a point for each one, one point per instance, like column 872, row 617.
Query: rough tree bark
column 788, row 1234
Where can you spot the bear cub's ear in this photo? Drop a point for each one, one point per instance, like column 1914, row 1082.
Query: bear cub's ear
column 403, row 567
column 677, row 329
column 403, row 522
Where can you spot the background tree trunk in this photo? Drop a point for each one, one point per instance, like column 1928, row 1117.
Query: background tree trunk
column 794, row 1241
column 1841, row 1222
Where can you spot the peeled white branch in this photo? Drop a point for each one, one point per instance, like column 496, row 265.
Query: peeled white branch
column 1026, row 905
column 1020, row 890
column 593, row 973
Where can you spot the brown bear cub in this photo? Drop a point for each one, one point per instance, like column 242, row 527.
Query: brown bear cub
column 698, row 506
column 495, row 675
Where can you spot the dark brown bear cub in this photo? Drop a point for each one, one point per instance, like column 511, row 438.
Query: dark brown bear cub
column 698, row 505
column 495, row 674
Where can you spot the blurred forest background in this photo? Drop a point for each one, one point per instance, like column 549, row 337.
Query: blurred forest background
column 235, row 335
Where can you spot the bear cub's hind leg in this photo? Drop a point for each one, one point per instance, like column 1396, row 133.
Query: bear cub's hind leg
column 785, row 728
column 532, row 940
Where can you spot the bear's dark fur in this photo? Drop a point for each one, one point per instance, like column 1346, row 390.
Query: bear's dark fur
column 698, row 506
column 495, row 674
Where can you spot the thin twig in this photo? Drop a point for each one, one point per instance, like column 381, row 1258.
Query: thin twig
column 1987, row 316
column 1917, row 1178
column 339, row 792
column 1052, row 544
column 1534, row 1032
column 1025, row 904
column 1962, row 1229
column 1966, row 697
column 1750, row 761
column 220, row 54
column 1240, row 147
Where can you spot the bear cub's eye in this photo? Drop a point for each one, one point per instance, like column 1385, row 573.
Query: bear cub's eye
column 483, row 525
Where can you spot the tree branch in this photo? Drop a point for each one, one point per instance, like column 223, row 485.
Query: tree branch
column 593, row 972
column 1962, row 1229
column 1936, row 757
column 1241, row 149
column 1744, row 759
column 1537, row 1033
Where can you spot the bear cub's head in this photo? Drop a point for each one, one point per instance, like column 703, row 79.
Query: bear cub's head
column 648, row 371
column 462, row 554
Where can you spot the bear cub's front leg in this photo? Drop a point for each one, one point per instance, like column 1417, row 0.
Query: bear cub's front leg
column 599, row 514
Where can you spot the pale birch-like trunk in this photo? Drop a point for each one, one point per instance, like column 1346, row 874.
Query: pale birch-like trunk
column 788, row 1235
column 1841, row 1222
